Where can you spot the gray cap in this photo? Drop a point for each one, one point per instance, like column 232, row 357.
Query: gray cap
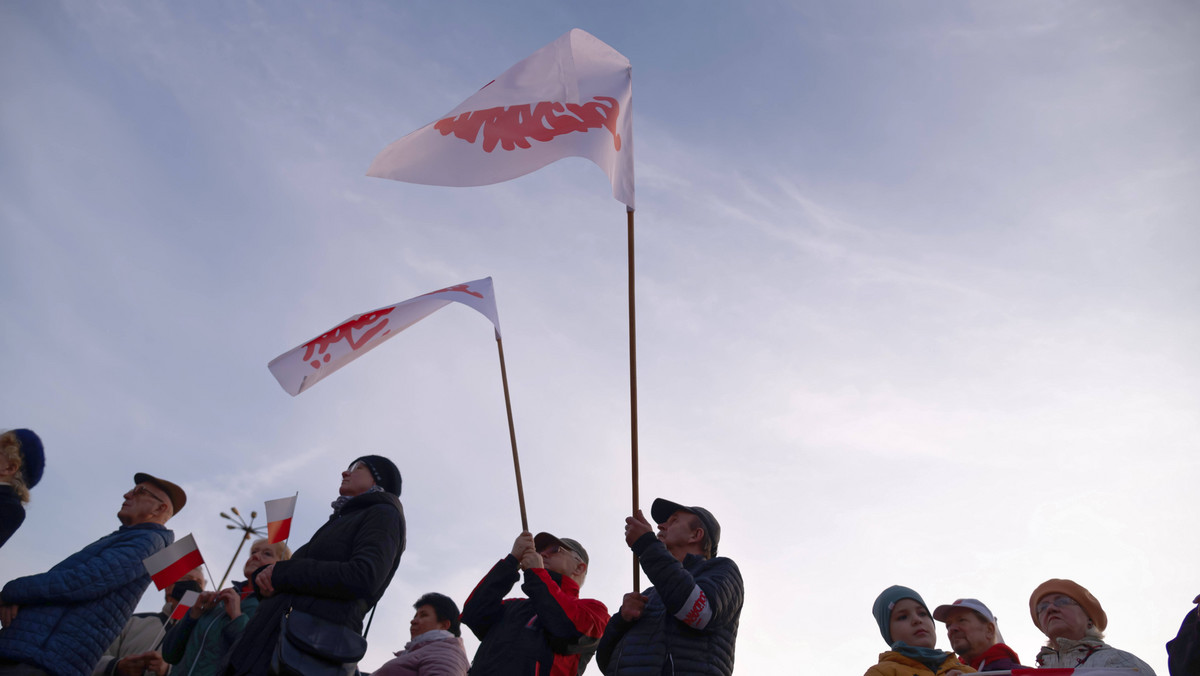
column 662, row 510
column 542, row 540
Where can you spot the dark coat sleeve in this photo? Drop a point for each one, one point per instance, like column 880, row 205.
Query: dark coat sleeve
column 1183, row 651
column 373, row 555
column 485, row 605
column 710, row 599
column 613, row 632
column 174, row 643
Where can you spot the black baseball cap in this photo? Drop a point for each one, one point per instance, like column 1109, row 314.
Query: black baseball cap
column 662, row 510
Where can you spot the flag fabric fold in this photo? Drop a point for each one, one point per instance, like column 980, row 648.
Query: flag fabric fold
column 571, row 98
column 306, row 365
column 167, row 565
column 279, row 518
column 185, row 604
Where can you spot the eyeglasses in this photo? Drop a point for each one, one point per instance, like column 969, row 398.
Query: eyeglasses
column 556, row 549
column 1060, row 602
column 142, row 490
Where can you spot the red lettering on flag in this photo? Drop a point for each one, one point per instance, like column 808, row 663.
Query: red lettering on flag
column 346, row 331
column 515, row 126
column 693, row 616
column 457, row 287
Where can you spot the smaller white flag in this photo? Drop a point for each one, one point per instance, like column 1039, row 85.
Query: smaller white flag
column 167, row 565
column 279, row 518
column 304, row 366
column 185, row 604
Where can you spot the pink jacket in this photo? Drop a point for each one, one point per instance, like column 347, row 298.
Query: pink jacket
column 434, row 653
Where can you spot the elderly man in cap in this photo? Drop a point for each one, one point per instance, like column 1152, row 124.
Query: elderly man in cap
column 61, row 621
column 553, row 632
column 973, row 634
column 687, row 623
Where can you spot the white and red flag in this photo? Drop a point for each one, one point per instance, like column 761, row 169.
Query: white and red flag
column 304, row 366
column 1081, row 671
column 185, row 604
column 167, row 565
column 571, row 98
column 279, row 518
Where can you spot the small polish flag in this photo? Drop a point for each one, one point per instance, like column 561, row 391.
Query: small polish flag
column 279, row 518
column 170, row 564
column 185, row 604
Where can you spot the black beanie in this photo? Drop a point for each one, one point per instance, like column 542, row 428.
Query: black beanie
column 383, row 471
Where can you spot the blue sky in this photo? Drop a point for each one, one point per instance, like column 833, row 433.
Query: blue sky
column 917, row 294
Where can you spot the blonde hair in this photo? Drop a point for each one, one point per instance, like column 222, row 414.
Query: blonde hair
column 10, row 450
column 282, row 552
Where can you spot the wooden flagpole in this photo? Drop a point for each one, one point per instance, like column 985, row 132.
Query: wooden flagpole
column 512, row 435
column 633, row 417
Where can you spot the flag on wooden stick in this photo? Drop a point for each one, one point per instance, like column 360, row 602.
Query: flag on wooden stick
column 167, row 565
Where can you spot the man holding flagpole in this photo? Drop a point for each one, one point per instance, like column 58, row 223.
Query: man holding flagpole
column 551, row 633
column 60, row 622
column 688, row 621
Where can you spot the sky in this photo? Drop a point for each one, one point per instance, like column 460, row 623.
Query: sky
column 917, row 300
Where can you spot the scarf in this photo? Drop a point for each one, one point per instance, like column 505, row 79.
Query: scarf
column 930, row 657
column 341, row 501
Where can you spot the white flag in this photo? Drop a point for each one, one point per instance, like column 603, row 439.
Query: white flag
column 571, row 98
column 302, row 367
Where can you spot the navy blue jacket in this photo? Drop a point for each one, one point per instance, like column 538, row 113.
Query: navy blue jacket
column 689, row 625
column 70, row 614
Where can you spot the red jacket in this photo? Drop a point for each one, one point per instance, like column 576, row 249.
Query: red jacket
column 997, row 658
column 547, row 634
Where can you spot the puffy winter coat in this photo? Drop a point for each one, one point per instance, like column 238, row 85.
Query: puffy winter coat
column 338, row 575
column 434, row 653
column 196, row 647
column 1089, row 652
column 70, row 614
column 688, row 627
column 551, row 633
column 894, row 664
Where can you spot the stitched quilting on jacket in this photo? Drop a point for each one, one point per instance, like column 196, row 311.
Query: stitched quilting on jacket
column 71, row 613
column 688, row 627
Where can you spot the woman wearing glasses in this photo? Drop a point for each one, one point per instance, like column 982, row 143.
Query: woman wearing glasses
column 1073, row 621
column 337, row 577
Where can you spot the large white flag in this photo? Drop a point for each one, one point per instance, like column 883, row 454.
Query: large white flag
column 307, row 364
column 571, row 98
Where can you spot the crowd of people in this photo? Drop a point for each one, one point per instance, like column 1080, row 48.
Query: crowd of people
column 303, row 612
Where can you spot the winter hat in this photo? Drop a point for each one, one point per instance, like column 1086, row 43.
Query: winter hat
column 383, row 471
column 33, row 454
column 1078, row 594
column 882, row 610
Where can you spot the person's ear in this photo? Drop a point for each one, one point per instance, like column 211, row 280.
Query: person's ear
column 444, row 625
column 697, row 536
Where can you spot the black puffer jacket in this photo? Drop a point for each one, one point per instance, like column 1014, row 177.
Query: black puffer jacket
column 338, row 575
column 689, row 625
